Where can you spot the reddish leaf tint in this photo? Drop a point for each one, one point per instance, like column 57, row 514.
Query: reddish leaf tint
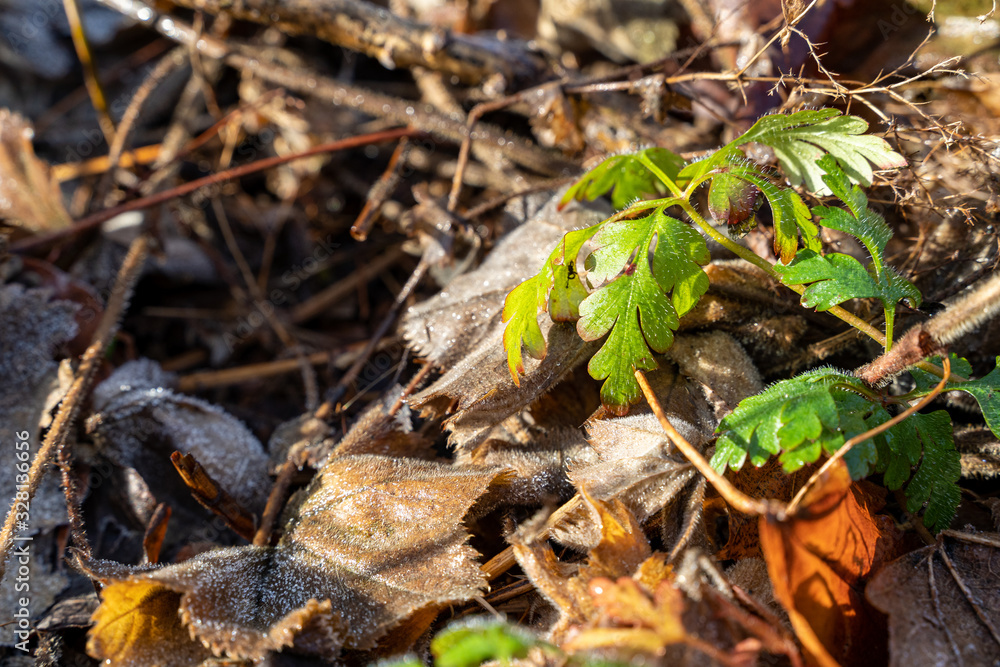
column 819, row 560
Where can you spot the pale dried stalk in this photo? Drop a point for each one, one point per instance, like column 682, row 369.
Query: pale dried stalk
column 55, row 438
column 736, row 498
column 90, row 78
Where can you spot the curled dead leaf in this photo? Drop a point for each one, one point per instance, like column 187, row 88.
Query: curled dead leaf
column 29, row 196
column 819, row 560
column 139, row 422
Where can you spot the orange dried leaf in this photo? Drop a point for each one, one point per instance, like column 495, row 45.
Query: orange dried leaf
column 651, row 623
column 819, row 560
column 137, row 624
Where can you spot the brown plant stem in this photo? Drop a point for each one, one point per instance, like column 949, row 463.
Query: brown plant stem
column 90, row 78
column 736, row 498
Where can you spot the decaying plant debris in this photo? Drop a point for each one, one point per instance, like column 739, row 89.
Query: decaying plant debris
column 257, row 407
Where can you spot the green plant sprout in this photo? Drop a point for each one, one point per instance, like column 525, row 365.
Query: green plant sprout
column 644, row 271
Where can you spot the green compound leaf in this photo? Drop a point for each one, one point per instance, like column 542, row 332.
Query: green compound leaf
column 817, row 412
column 798, row 416
column 473, row 643
column 859, row 220
column 626, row 177
column 986, row 390
column 800, row 139
column 837, row 278
column 634, row 306
column 927, row 439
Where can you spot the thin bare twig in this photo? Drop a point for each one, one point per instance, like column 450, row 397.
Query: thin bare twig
column 503, row 147
column 276, row 502
column 212, row 496
column 379, row 192
column 337, row 391
column 167, row 64
column 91, row 221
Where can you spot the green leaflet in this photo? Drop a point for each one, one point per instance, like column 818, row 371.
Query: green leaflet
column 634, row 306
column 472, row 643
column 520, row 312
column 800, row 139
column 636, row 300
column 791, row 215
column 925, row 439
column 568, row 290
column 837, row 278
column 625, row 177
column 559, row 283
column 986, row 390
column 817, row 412
column 797, row 415
column 733, row 201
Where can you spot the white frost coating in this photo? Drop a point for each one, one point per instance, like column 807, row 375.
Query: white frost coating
column 138, row 411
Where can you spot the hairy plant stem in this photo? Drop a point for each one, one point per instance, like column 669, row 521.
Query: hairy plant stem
column 649, row 164
column 762, row 264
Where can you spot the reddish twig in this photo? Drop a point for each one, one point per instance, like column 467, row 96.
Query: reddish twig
column 96, row 219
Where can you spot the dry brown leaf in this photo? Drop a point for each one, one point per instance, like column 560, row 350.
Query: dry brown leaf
column 375, row 540
column 378, row 432
column 29, row 197
column 536, row 458
column 34, row 330
column 819, row 560
column 636, row 462
column 139, row 422
column 627, row 600
column 460, row 330
column 621, row 552
column 932, row 620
